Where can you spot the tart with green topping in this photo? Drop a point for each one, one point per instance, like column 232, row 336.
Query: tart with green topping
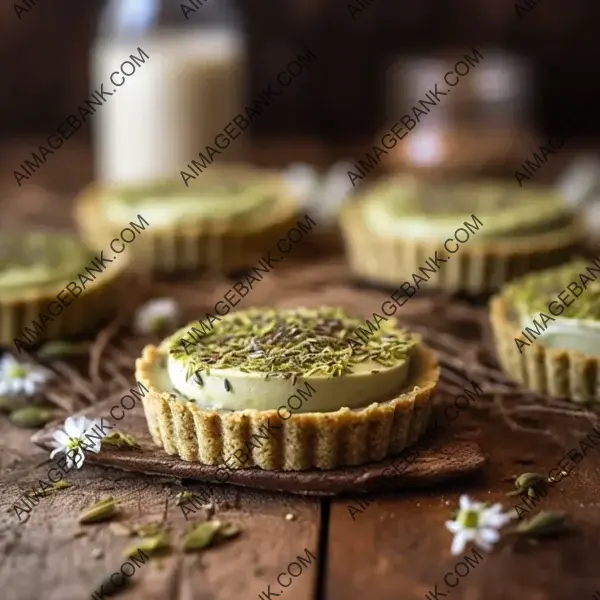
column 52, row 286
column 287, row 390
column 225, row 220
column 546, row 329
column 462, row 235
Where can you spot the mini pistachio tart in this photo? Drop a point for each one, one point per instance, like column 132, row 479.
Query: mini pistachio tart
column 224, row 221
column 287, row 390
column 36, row 304
column 504, row 231
column 546, row 329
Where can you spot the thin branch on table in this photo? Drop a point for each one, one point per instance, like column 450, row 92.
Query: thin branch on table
column 75, row 380
column 100, row 344
column 113, row 370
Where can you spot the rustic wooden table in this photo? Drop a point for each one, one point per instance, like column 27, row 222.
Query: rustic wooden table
column 395, row 547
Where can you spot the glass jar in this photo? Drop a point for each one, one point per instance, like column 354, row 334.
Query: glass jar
column 481, row 122
column 171, row 106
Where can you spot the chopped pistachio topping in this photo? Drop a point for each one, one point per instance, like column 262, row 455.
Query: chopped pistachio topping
column 432, row 207
column 407, row 195
column 288, row 343
column 535, row 292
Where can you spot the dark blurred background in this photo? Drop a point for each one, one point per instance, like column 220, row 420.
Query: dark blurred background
column 45, row 57
column 337, row 107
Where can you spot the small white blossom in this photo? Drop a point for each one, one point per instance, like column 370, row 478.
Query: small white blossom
column 476, row 523
column 302, row 180
column 322, row 194
column 156, row 315
column 17, row 378
column 72, row 440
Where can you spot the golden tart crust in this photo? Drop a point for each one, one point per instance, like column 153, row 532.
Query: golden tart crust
column 552, row 371
column 220, row 246
column 477, row 267
column 305, row 440
column 93, row 307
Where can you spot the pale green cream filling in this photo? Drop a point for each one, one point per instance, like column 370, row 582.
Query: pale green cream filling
column 38, row 260
column 180, row 209
column 253, row 391
column 578, row 335
column 228, row 194
column 407, row 208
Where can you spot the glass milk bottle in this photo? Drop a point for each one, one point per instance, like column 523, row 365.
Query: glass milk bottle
column 173, row 104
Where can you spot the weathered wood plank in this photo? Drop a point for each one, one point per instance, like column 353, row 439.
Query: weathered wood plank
column 42, row 553
column 399, row 547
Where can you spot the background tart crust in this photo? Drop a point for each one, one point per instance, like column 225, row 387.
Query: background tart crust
column 552, row 371
column 305, row 441
column 221, row 247
column 97, row 304
column 477, row 267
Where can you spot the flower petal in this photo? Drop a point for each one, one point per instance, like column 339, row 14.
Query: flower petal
column 72, row 427
column 495, row 519
column 488, row 535
column 56, row 451
column 453, row 526
column 95, row 448
column 91, row 445
column 93, row 423
column 60, row 437
column 79, row 464
column 459, row 542
column 483, row 543
column 465, row 502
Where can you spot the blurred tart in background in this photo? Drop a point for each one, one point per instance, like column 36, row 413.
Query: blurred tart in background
column 468, row 236
column 287, row 390
column 53, row 286
column 546, row 329
column 224, row 221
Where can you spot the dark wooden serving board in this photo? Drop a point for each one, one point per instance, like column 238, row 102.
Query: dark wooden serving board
column 440, row 461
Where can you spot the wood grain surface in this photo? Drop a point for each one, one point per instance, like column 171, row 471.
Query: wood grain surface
column 395, row 547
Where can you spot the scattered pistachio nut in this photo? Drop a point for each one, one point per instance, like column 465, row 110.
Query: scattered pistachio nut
column 528, row 480
column 148, row 529
column 544, row 523
column 61, row 348
column 150, row 545
column 10, row 404
column 120, row 440
column 228, row 530
column 201, row 536
column 119, row 529
column 103, row 510
column 59, row 485
column 205, row 534
column 30, row 417
column 183, row 497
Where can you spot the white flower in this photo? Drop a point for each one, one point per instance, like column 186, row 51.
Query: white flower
column 302, row 180
column 156, row 315
column 476, row 523
column 73, row 441
column 20, row 378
